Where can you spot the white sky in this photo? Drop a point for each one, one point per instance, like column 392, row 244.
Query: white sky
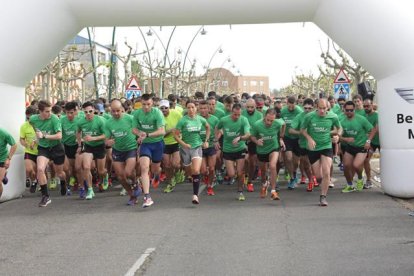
column 278, row 51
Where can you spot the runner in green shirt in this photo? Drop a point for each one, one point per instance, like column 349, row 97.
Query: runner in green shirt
column 252, row 115
column 29, row 142
column 292, row 154
column 5, row 156
column 149, row 126
column 209, row 153
column 49, row 134
column 91, row 130
column 265, row 134
column 187, row 133
column 357, row 133
column 118, row 132
column 235, row 130
column 372, row 117
column 317, row 129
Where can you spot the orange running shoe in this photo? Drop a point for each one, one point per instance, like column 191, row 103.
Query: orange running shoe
column 155, row 182
column 275, row 195
column 315, row 182
column 250, row 187
column 302, row 179
column 210, row 191
column 310, row 187
column 263, row 192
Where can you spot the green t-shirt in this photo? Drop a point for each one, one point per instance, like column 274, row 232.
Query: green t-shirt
column 121, row 131
column 319, row 128
column 49, row 126
column 28, row 134
column 288, row 117
column 69, row 129
column 296, row 125
column 170, row 122
column 253, row 118
column 5, row 139
column 220, row 105
column 336, row 109
column 373, row 119
column 360, row 112
column 269, row 134
column 232, row 129
column 149, row 122
column 94, row 127
column 107, row 116
column 226, row 113
column 358, row 128
column 190, row 129
column 212, row 121
column 218, row 113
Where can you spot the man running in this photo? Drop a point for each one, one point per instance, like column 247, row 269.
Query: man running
column 49, row 133
column 29, row 142
column 6, row 155
column 236, row 131
column 149, row 126
column 318, row 127
column 265, row 133
column 372, row 117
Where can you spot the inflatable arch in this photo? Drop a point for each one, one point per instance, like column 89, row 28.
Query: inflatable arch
column 376, row 33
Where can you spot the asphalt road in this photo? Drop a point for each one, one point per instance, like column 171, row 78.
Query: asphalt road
column 365, row 233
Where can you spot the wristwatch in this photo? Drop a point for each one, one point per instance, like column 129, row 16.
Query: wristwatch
column 369, row 141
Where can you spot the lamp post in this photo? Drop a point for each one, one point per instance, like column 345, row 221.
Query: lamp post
column 218, row 50
column 149, row 59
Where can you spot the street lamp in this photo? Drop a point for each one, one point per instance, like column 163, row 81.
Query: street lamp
column 218, row 50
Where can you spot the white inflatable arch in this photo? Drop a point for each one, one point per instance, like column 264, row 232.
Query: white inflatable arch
column 378, row 34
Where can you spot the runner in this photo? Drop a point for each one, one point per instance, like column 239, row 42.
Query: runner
column 149, row 126
column 49, row 134
column 91, row 130
column 236, row 130
column 372, row 117
column 317, row 128
column 187, row 134
column 266, row 135
column 252, row 115
column 209, row 153
column 357, row 134
column 171, row 157
column 124, row 153
column 29, row 142
column 6, row 156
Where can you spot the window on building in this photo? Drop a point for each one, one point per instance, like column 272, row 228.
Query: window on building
column 101, row 57
column 253, row 83
column 261, row 83
column 244, row 83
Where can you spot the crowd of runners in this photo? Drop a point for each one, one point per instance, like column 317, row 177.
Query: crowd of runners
column 204, row 139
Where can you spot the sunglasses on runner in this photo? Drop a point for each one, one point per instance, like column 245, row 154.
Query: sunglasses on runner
column 349, row 110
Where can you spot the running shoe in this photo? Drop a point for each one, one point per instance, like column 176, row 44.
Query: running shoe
column 105, row 182
column 195, row 200
column 368, row 184
column 315, row 182
column 163, row 176
column 250, row 187
column 205, row 179
column 28, row 182
column 241, row 197
column 52, row 184
column 310, row 187
column 62, row 188
column 90, row 194
column 287, row 176
column 182, row 176
column 210, row 191
column 348, row 189
column 331, row 185
column 263, row 191
column 274, row 195
column 170, row 187
column 359, row 185
column 302, row 179
column 322, row 201
column 33, row 187
column 72, row 181
column 147, row 202
column 132, row 201
column 219, row 177
column 82, row 193
column 68, row 192
column 155, row 182
column 137, row 191
column 123, row 192
column 44, row 201
column 292, row 184
column 232, row 181
column 5, row 179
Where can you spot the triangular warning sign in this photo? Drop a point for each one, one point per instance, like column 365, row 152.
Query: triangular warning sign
column 133, row 84
column 341, row 77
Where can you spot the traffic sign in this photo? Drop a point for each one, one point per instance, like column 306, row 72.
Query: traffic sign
column 341, row 77
column 129, row 94
column 133, row 83
column 341, row 90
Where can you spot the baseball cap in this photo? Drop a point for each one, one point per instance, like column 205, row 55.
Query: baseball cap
column 165, row 103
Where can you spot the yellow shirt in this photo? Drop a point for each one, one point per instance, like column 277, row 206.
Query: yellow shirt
column 28, row 133
column 170, row 122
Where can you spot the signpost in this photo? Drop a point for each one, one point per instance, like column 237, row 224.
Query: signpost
column 341, row 86
column 132, row 89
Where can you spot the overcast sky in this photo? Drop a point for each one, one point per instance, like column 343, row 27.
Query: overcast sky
column 278, row 51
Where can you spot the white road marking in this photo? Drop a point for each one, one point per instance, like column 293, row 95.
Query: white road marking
column 137, row 265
